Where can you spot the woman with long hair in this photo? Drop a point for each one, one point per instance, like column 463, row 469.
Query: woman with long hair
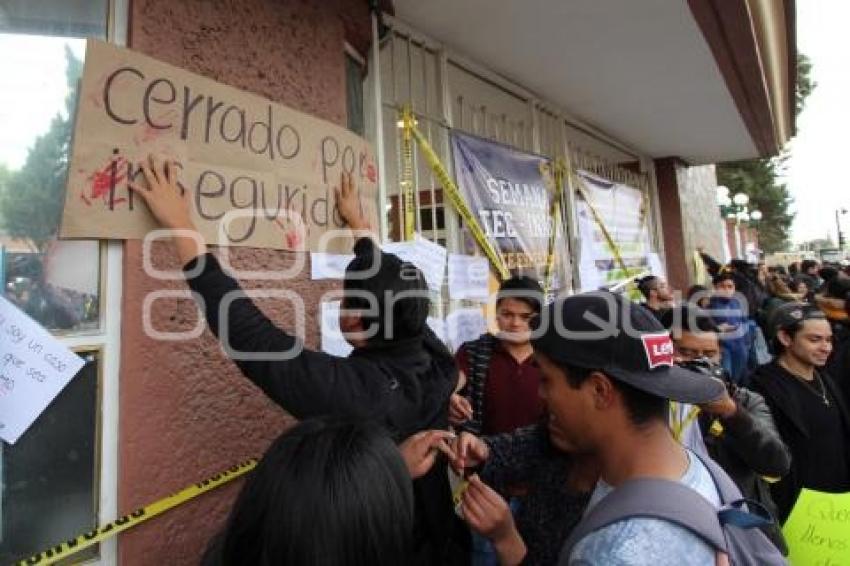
column 328, row 492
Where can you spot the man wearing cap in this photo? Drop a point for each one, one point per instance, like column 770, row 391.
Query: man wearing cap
column 399, row 373
column 806, row 404
column 607, row 378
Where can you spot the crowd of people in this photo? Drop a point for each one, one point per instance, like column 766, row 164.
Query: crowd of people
column 590, row 430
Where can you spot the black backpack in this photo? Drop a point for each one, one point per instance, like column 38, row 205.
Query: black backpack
column 733, row 529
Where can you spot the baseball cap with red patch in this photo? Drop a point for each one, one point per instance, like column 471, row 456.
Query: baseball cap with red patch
column 607, row 332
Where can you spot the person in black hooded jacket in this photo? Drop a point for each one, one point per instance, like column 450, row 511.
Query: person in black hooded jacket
column 399, row 373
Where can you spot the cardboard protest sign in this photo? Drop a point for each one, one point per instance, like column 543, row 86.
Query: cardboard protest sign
column 818, row 530
column 34, row 368
column 510, row 192
column 259, row 173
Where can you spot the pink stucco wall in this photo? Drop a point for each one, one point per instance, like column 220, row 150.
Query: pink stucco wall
column 186, row 411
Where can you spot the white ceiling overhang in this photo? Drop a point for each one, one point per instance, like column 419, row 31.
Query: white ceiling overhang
column 641, row 71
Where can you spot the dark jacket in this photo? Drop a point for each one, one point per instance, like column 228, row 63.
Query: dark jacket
column 479, row 353
column 750, row 445
column 405, row 385
column 549, row 510
column 744, row 284
column 838, row 365
column 773, row 382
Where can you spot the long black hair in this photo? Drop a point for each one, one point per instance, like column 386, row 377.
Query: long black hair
column 328, row 492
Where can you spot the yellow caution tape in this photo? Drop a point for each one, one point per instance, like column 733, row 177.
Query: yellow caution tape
column 69, row 548
column 716, row 428
column 678, row 427
column 555, row 215
column 408, row 122
column 457, row 496
column 493, row 255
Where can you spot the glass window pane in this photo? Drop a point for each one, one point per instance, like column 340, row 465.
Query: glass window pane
column 426, row 221
column 354, row 94
column 42, row 46
column 48, row 485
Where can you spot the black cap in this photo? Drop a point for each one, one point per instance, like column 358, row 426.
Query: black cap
column 607, row 332
column 791, row 314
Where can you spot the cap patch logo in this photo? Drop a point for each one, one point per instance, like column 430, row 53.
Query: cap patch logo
column 658, row 349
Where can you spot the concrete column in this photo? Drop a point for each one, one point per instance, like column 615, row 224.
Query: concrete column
column 670, row 207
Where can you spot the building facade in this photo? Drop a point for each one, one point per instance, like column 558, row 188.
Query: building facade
column 646, row 94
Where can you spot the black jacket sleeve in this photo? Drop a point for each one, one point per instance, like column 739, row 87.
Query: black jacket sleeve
column 514, row 456
column 711, row 264
column 752, row 435
column 304, row 382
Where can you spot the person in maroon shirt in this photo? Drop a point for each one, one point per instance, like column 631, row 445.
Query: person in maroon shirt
column 501, row 379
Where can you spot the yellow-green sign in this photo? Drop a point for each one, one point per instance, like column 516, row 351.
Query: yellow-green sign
column 818, row 530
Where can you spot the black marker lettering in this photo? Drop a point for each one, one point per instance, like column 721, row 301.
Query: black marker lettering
column 113, row 174
column 271, row 215
column 328, row 143
column 251, row 204
column 149, row 97
column 295, row 143
column 266, row 138
column 187, row 110
column 211, row 108
column 348, row 156
column 106, row 94
column 217, row 192
column 240, row 133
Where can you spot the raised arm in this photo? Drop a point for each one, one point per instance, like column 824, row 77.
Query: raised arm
column 303, row 382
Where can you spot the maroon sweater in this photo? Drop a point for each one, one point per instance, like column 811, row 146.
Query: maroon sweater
column 511, row 398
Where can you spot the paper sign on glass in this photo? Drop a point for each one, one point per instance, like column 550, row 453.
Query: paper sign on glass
column 438, row 326
column 328, row 266
column 463, row 325
column 468, row 277
column 34, row 368
column 429, row 257
column 333, row 341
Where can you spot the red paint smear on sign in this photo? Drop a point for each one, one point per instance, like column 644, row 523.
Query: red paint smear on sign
column 101, row 182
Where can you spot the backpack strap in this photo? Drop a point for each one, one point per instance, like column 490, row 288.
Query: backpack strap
column 655, row 498
column 479, row 352
column 726, row 488
column 735, row 509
